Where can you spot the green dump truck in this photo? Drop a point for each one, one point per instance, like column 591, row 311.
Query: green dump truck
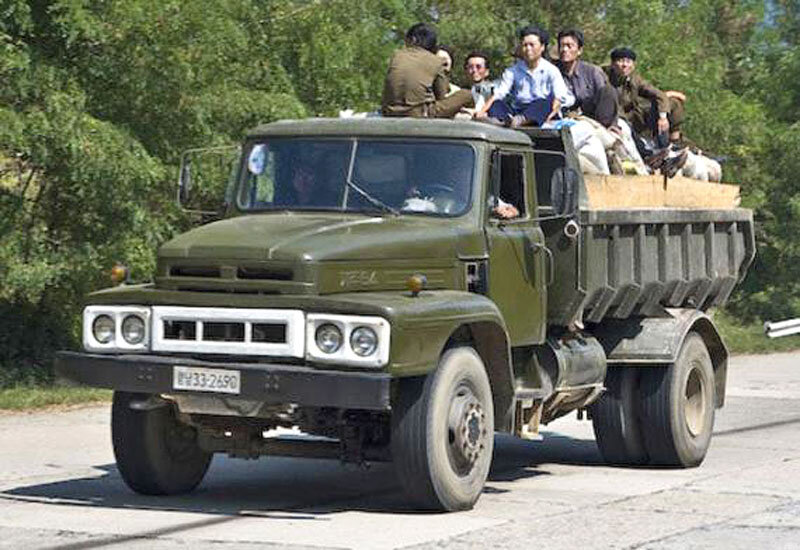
column 360, row 288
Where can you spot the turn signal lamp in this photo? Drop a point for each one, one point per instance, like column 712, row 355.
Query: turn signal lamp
column 119, row 274
column 416, row 283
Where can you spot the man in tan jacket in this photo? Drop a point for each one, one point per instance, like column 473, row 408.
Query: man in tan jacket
column 416, row 83
column 650, row 111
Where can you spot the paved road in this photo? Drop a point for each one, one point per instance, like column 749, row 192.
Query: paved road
column 59, row 488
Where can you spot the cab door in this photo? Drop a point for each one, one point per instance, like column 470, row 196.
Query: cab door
column 518, row 258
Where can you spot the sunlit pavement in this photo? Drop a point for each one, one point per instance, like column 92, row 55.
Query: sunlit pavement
column 59, row 488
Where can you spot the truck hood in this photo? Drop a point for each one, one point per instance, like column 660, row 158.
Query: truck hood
column 316, row 237
column 289, row 253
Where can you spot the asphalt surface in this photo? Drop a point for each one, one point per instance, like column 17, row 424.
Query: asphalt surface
column 59, row 488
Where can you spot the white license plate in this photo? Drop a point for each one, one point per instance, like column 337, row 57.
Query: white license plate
column 202, row 379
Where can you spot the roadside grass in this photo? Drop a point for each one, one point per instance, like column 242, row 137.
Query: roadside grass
column 750, row 338
column 38, row 397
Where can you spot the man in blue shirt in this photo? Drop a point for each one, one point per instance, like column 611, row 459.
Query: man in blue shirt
column 534, row 85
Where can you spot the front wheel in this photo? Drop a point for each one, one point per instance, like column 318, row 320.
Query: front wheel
column 443, row 432
column 156, row 453
column 678, row 407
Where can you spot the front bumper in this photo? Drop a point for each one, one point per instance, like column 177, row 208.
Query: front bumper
column 270, row 383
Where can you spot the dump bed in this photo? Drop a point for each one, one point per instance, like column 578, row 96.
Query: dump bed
column 637, row 245
column 632, row 262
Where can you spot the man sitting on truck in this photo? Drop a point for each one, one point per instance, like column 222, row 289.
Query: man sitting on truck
column 650, row 112
column 648, row 109
column 446, row 53
column 534, row 85
column 477, row 68
column 594, row 95
column 416, row 82
column 659, row 115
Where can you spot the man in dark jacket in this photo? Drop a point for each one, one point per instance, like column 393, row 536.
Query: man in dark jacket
column 649, row 110
column 416, row 83
column 594, row 95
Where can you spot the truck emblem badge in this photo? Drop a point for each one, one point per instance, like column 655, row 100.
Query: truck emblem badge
column 358, row 278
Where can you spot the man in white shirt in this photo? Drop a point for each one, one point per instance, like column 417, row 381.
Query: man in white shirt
column 535, row 86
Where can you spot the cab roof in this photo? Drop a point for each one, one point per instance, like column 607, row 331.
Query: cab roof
column 390, row 127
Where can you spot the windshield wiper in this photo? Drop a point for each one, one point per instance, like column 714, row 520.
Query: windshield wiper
column 355, row 187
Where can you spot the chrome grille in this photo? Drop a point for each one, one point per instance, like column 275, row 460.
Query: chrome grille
column 269, row 332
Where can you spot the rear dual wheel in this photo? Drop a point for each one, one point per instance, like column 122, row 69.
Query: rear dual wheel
column 678, row 407
column 658, row 415
column 615, row 419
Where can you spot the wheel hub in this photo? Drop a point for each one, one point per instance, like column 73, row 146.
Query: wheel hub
column 467, row 430
column 695, row 403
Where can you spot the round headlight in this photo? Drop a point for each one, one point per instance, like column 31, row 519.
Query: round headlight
column 103, row 329
column 329, row 338
column 133, row 329
column 364, row 341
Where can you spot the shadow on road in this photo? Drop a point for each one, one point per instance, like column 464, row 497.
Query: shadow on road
column 301, row 489
column 512, row 453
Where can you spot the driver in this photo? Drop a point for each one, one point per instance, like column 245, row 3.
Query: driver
column 309, row 190
column 444, row 183
column 303, row 185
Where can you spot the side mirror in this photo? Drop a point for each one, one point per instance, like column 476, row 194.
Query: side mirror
column 495, row 178
column 564, row 186
column 206, row 180
column 185, row 180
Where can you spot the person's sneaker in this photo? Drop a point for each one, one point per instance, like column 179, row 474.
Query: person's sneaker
column 656, row 160
column 517, row 121
column 674, row 162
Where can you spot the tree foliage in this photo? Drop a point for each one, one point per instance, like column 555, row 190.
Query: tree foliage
column 99, row 99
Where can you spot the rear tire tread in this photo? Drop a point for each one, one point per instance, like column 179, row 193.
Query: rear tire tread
column 615, row 419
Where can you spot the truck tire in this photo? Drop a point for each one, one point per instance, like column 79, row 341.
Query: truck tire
column 615, row 419
column 443, row 432
column 678, row 407
column 156, row 454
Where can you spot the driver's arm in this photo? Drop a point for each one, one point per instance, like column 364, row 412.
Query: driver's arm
column 505, row 210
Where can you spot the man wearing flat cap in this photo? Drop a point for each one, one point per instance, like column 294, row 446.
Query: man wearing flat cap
column 649, row 110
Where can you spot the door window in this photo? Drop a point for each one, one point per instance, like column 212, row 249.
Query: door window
column 512, row 181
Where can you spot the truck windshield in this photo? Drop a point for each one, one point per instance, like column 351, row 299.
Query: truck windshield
column 401, row 177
